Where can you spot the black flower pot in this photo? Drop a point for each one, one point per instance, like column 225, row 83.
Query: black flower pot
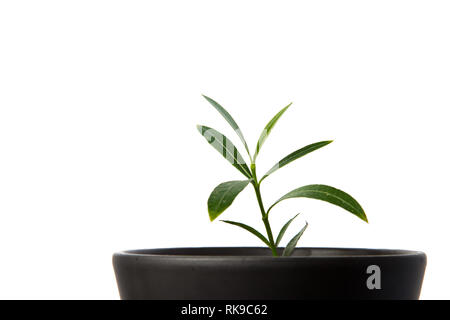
column 252, row 273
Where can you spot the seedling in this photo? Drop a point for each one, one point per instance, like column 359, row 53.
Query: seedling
column 225, row 193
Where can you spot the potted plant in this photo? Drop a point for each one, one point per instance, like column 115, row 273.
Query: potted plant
column 270, row 272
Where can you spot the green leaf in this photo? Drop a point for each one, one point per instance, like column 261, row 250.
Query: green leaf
column 328, row 194
column 223, row 196
column 295, row 155
column 293, row 243
column 283, row 230
column 249, row 229
column 267, row 129
column 229, row 119
column 226, row 148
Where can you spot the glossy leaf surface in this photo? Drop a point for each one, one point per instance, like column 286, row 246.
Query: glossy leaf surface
column 267, row 129
column 226, row 148
column 223, row 196
column 249, row 229
column 296, row 155
column 283, row 230
column 229, row 119
column 328, row 194
column 293, row 243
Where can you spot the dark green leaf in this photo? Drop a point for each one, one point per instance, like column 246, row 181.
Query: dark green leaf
column 249, row 229
column 229, row 119
column 223, row 196
column 283, row 230
column 293, row 243
column 267, row 129
column 226, row 148
column 295, row 155
column 328, row 194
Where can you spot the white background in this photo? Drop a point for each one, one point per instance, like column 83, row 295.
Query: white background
column 99, row 150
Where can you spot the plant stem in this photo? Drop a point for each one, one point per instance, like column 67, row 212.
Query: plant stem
column 265, row 217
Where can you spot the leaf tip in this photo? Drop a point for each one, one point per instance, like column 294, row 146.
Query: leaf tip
column 362, row 215
column 207, row 98
column 212, row 216
column 285, row 108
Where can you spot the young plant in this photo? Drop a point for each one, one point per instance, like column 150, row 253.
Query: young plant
column 225, row 193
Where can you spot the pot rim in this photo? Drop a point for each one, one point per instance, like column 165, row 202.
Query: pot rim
column 327, row 253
